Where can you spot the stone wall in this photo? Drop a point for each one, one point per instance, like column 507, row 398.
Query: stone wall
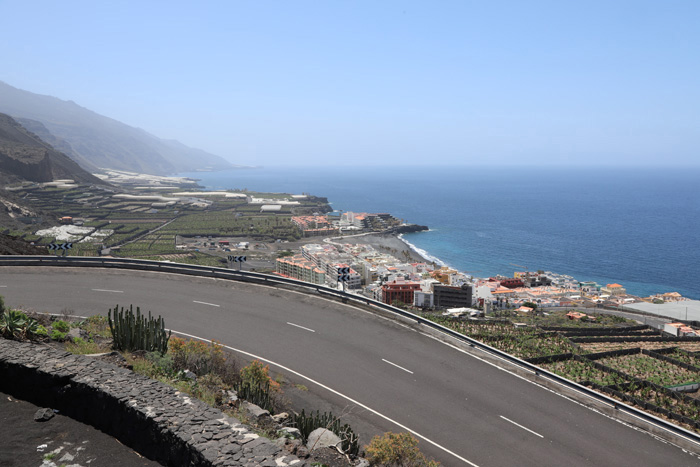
column 150, row 417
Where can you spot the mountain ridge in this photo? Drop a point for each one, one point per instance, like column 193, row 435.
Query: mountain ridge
column 96, row 140
column 25, row 156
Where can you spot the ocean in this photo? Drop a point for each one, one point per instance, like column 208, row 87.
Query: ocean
column 636, row 227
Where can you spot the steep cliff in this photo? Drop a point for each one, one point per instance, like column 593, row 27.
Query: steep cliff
column 24, row 156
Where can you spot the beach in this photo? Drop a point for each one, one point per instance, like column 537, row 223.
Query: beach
column 387, row 243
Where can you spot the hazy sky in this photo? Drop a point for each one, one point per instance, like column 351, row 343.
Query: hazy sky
column 263, row 82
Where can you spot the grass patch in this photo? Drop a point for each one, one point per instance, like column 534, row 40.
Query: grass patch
column 84, row 347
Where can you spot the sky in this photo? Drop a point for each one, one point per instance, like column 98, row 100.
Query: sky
column 611, row 82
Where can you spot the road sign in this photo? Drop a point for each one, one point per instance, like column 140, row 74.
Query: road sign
column 236, row 259
column 343, row 275
column 60, row 246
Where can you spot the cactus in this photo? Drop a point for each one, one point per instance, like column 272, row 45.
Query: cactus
column 134, row 332
column 308, row 423
column 256, row 394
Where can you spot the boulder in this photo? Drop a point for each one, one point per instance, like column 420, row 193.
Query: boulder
column 43, row 415
column 187, row 374
column 256, row 413
column 289, row 432
column 280, row 417
column 232, row 397
column 322, row 438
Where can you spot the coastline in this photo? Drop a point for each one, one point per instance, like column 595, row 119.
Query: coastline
column 392, row 244
column 427, row 257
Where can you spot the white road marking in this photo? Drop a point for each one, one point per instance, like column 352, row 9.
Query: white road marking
column 107, row 290
column 391, row 363
column 3, row 286
column 205, row 303
column 359, row 404
column 571, row 399
column 520, row 426
column 302, row 327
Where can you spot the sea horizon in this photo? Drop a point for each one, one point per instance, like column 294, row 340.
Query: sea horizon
column 634, row 226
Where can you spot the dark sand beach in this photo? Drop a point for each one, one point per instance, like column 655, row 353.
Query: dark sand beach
column 385, row 243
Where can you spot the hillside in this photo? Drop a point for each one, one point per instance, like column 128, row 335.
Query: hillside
column 58, row 144
column 15, row 246
column 94, row 140
column 24, row 156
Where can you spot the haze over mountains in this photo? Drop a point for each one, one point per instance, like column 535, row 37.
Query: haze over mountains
column 24, row 156
column 95, row 141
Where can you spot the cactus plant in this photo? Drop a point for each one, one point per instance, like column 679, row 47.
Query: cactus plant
column 135, row 332
column 308, row 423
column 256, row 394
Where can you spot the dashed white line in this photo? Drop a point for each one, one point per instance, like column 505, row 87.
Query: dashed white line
column 359, row 404
column 520, row 426
column 391, row 363
column 3, row 286
column 107, row 290
column 301, row 327
column 205, row 303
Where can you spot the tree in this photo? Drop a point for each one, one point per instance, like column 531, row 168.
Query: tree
column 531, row 305
column 400, row 450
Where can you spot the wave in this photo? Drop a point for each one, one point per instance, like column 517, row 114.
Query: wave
column 424, row 254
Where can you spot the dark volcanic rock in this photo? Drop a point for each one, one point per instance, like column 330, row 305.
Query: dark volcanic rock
column 43, row 415
column 15, row 246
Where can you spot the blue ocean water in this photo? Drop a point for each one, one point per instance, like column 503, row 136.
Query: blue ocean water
column 637, row 227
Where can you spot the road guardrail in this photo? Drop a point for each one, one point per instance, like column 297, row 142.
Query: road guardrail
column 249, row 276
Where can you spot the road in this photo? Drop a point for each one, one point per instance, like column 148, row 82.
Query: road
column 467, row 411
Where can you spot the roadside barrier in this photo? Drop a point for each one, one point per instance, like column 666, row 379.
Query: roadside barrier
column 248, row 276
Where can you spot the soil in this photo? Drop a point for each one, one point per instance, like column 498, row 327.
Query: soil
column 60, row 440
column 14, row 246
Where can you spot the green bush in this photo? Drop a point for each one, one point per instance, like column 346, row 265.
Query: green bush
column 58, row 335
column 393, row 449
column 97, row 326
column 163, row 364
column 202, row 359
column 41, row 331
column 83, row 347
column 11, row 324
column 61, row 326
column 16, row 325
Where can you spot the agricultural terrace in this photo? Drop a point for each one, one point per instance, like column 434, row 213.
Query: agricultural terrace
column 604, row 346
column 524, row 343
column 131, row 227
column 583, row 370
column 651, row 369
column 225, row 223
column 684, row 406
column 684, row 356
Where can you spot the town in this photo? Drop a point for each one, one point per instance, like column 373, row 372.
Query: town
column 428, row 286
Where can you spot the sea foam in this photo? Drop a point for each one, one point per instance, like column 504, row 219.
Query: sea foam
column 424, row 254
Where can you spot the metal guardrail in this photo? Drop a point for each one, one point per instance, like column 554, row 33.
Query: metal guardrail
column 248, row 276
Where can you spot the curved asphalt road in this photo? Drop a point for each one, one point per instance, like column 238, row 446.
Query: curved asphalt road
column 477, row 413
